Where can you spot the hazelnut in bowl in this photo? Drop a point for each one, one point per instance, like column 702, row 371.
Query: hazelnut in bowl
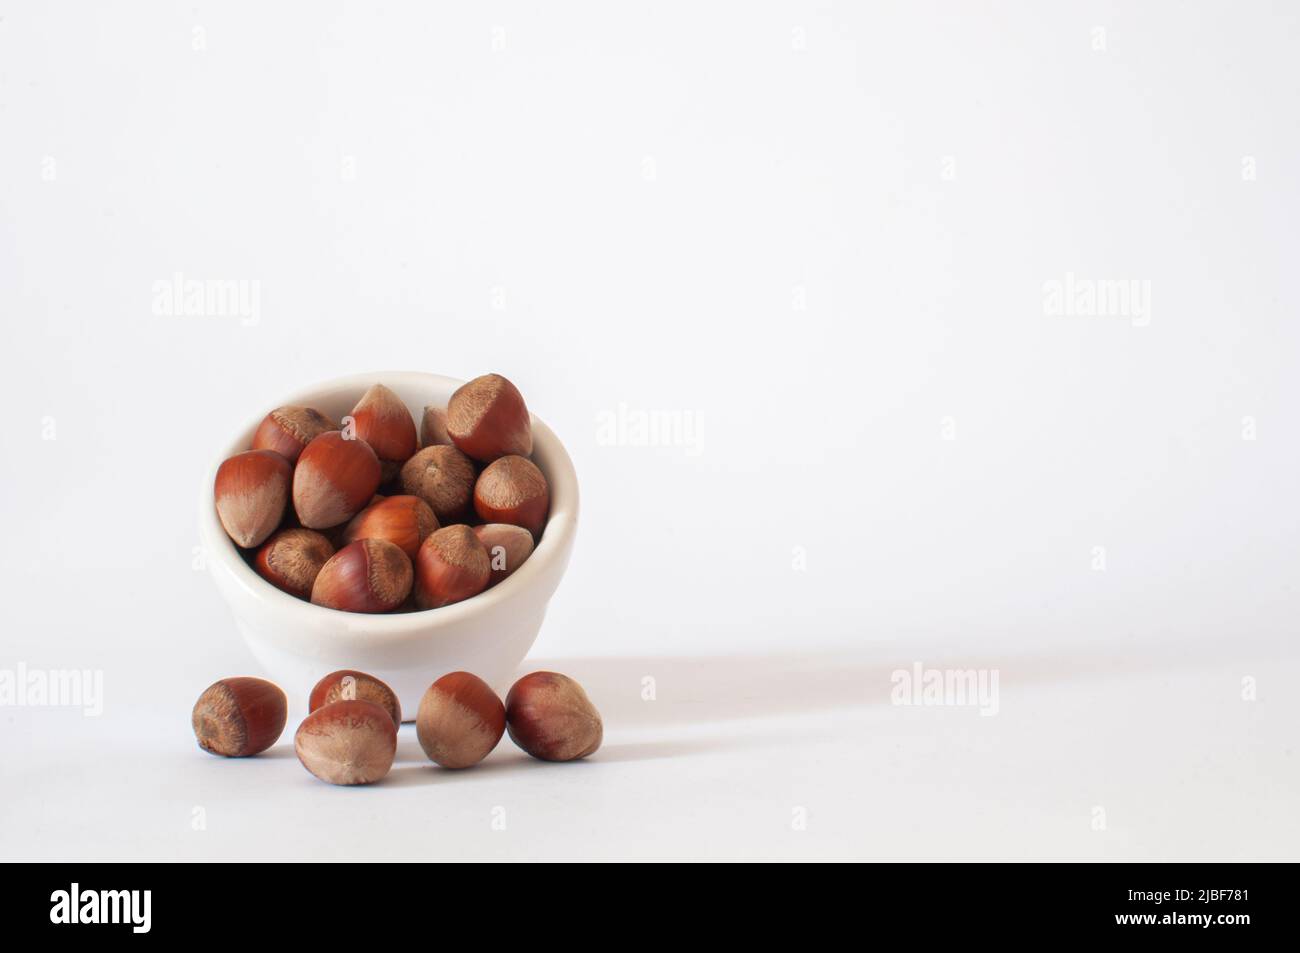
column 372, row 523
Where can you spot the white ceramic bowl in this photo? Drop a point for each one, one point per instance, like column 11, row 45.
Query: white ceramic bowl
column 488, row 635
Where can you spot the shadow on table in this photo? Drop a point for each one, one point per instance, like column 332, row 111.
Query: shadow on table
column 640, row 691
column 648, row 692
column 411, row 767
column 644, row 691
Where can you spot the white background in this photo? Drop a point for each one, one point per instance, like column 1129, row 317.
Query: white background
column 818, row 232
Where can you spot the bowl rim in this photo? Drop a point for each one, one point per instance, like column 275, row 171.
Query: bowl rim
column 554, row 545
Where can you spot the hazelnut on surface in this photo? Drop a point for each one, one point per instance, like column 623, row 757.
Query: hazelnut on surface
column 460, row 720
column 551, row 717
column 238, row 717
column 349, row 685
column 347, row 742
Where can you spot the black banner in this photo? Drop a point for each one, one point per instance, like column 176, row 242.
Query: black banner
column 138, row 902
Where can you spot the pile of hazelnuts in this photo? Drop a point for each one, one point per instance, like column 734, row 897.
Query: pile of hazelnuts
column 462, row 507
column 350, row 733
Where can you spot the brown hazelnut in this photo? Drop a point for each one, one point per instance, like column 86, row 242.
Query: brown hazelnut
column 550, row 717
column 347, row 742
column 382, row 420
column 487, row 418
column 512, row 490
column 370, row 575
column 251, row 490
column 433, row 428
column 444, row 478
column 347, row 685
column 286, row 430
column 403, row 520
column 507, row 547
column 452, row 565
column 460, row 720
column 334, row 480
column 237, row 717
column 291, row 559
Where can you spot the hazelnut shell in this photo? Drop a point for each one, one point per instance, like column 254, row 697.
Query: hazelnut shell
column 512, row 490
column 404, row 520
column 460, row 720
column 507, row 547
column 347, row 742
column 551, row 717
column 286, row 430
column 250, row 491
column 433, row 428
column 334, row 480
column 238, row 717
column 444, row 478
column 292, row 558
column 487, row 419
column 382, row 420
column 348, row 685
column 370, row 575
column 452, row 565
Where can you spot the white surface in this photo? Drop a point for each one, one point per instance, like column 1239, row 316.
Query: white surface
column 745, row 215
column 298, row 643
